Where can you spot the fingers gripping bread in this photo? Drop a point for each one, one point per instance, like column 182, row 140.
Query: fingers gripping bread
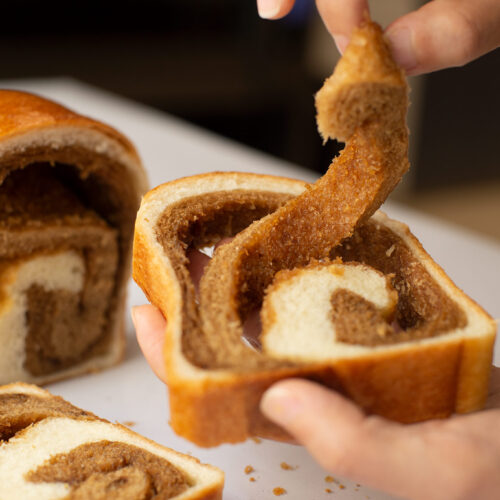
column 69, row 191
column 424, row 357
column 49, row 449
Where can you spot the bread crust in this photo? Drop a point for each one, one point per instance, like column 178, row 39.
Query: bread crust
column 33, row 131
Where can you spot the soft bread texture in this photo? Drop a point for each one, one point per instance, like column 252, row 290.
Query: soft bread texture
column 70, row 187
column 297, row 318
column 426, row 358
column 45, row 458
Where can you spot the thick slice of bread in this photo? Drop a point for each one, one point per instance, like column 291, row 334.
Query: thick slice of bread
column 431, row 359
column 69, row 191
column 435, row 362
column 53, row 450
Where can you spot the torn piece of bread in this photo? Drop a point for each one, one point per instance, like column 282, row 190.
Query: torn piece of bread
column 49, row 449
column 69, row 191
column 426, row 358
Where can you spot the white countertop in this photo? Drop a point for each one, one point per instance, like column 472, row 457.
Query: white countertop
column 171, row 148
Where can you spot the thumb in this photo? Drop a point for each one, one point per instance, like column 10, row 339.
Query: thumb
column 150, row 328
column 343, row 440
column 445, row 33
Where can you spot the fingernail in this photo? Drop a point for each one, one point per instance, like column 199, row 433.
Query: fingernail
column 341, row 41
column 268, row 9
column 402, row 47
column 280, row 405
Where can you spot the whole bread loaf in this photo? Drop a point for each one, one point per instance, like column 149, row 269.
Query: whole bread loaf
column 69, row 191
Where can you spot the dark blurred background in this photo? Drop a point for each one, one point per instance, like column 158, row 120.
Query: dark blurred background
column 217, row 64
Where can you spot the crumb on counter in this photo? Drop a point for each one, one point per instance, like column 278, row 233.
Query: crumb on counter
column 256, row 440
column 328, row 490
column 252, row 479
column 341, row 486
column 249, row 469
column 286, row 466
column 278, row 491
column 129, row 423
column 329, row 479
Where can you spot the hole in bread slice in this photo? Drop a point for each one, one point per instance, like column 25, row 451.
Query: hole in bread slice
column 423, row 308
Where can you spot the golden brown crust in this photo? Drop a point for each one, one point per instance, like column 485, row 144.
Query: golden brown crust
column 214, row 412
column 23, row 112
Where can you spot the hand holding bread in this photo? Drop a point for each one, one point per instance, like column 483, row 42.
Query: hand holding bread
column 453, row 459
column 429, row 359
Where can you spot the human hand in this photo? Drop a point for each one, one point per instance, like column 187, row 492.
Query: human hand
column 441, row 34
column 455, row 459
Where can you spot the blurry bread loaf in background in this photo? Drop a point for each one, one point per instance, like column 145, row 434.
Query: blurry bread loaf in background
column 69, row 192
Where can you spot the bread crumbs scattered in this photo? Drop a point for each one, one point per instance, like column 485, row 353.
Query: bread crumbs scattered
column 286, row 466
column 252, row 479
column 129, row 423
column 341, row 486
column 328, row 490
column 329, row 479
column 249, row 469
column 256, row 440
column 278, row 491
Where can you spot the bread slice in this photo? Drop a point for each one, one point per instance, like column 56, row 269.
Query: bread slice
column 69, row 191
column 432, row 361
column 53, row 450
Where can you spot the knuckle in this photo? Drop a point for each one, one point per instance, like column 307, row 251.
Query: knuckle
column 339, row 460
column 344, row 455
